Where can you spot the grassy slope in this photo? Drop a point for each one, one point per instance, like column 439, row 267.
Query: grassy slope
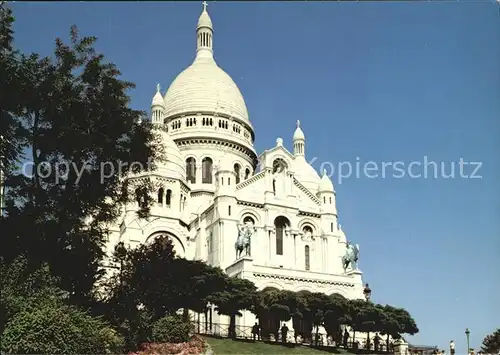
column 227, row 346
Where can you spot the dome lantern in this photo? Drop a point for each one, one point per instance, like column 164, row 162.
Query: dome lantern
column 204, row 35
column 299, row 140
column 157, row 106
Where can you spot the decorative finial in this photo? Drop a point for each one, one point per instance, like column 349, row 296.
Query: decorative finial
column 298, row 123
column 324, row 172
column 279, row 141
column 158, row 87
column 204, row 3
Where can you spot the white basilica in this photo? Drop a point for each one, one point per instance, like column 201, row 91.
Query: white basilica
column 214, row 188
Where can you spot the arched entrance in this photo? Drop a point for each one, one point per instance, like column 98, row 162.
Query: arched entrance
column 180, row 250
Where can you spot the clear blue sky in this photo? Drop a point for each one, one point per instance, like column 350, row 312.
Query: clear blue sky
column 379, row 81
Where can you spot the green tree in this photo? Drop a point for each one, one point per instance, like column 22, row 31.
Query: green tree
column 147, row 277
column 197, row 282
column 369, row 320
column 388, row 323
column 354, row 316
column 270, row 312
column 11, row 87
column 68, row 114
column 336, row 310
column 491, row 343
column 316, row 305
column 25, row 290
column 238, row 294
column 152, row 275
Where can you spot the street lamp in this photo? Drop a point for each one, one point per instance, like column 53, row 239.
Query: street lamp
column 467, row 334
column 367, row 292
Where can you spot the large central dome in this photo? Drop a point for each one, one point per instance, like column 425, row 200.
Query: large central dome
column 204, row 86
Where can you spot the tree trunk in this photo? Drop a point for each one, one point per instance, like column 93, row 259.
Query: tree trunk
column 367, row 340
column 387, row 342
column 232, row 326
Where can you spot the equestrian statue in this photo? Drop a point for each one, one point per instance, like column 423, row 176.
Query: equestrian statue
column 351, row 257
column 244, row 239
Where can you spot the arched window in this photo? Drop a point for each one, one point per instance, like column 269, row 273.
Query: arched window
column 331, row 227
column 237, row 170
column 248, row 219
column 308, row 231
column 191, row 170
column 141, row 197
column 330, row 200
column 168, row 197
column 307, row 258
column 161, row 193
column 206, row 169
column 280, row 224
column 138, row 196
column 279, row 165
column 247, row 173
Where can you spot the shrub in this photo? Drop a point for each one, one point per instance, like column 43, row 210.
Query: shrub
column 171, row 329
column 54, row 329
column 195, row 346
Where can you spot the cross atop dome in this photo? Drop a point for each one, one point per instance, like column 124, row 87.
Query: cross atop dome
column 204, row 34
column 158, row 87
column 298, row 123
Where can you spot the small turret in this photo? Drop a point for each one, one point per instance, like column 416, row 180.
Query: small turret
column 299, row 140
column 225, row 178
column 326, row 194
column 225, row 189
column 157, row 107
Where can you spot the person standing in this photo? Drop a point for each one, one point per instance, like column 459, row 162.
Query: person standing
column 452, row 347
column 256, row 331
column 284, row 332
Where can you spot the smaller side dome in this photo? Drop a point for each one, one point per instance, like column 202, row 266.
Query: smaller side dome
column 158, row 99
column 298, row 134
column 173, row 163
column 326, row 184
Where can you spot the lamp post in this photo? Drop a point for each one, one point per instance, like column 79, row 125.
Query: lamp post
column 367, row 292
column 467, row 334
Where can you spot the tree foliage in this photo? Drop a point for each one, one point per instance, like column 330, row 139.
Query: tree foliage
column 491, row 343
column 69, row 115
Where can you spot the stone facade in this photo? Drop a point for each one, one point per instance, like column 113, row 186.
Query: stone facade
column 213, row 182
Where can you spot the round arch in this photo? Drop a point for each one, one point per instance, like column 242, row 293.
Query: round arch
column 280, row 164
column 304, row 288
column 179, row 247
column 333, row 291
column 249, row 213
column 270, row 284
column 308, row 222
column 282, row 219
